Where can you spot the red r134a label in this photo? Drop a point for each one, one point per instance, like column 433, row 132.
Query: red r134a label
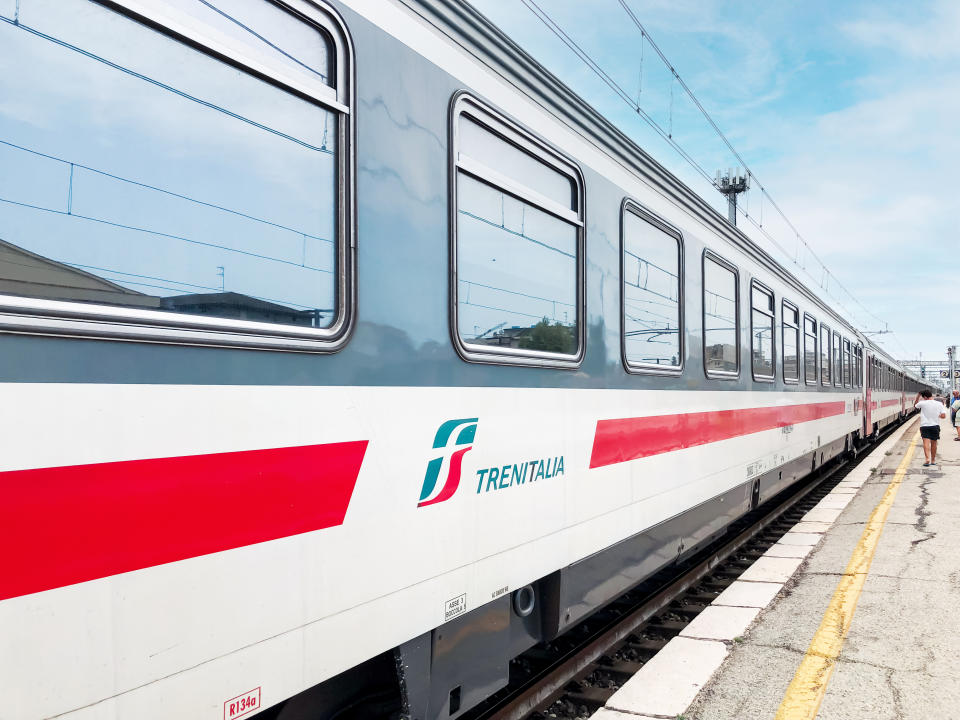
column 241, row 705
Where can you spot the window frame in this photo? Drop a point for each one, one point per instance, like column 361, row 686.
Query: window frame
column 828, row 380
column 784, row 303
column 772, row 315
column 629, row 205
column 100, row 321
column 816, row 349
column 709, row 254
column 858, row 368
column 847, row 362
column 514, row 133
column 836, row 350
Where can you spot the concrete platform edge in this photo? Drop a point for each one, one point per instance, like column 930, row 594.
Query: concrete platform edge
column 660, row 690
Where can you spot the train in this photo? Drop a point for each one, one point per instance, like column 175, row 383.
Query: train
column 347, row 354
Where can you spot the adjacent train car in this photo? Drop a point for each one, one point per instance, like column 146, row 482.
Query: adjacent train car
column 347, row 354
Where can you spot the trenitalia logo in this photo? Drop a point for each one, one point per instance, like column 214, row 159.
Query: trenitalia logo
column 431, row 493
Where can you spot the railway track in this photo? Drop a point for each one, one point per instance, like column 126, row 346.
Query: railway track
column 575, row 674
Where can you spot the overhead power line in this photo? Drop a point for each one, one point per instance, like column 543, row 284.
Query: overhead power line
column 667, row 135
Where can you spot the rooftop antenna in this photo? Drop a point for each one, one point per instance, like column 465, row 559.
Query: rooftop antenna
column 731, row 185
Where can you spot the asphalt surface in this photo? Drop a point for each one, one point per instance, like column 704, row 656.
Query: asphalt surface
column 900, row 660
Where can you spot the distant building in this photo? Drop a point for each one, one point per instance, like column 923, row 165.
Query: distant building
column 721, row 357
column 27, row 274
column 30, row 275
column 240, row 307
column 508, row 337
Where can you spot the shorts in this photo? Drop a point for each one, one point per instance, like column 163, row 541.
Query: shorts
column 930, row 432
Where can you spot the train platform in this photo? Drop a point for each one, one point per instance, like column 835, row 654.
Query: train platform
column 852, row 614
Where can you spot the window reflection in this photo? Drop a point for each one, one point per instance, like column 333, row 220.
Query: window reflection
column 824, row 355
column 651, row 294
column 810, row 349
column 720, row 318
column 479, row 144
column 837, row 360
column 516, row 272
column 762, row 327
column 143, row 173
column 846, row 362
column 791, row 342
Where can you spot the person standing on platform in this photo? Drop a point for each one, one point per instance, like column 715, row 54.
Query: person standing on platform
column 950, row 403
column 954, row 408
column 930, row 413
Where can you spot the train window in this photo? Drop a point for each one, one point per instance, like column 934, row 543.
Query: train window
column 837, row 361
column 846, row 363
column 791, row 342
column 824, row 354
column 721, row 317
column 762, row 324
column 853, row 364
column 809, row 350
column 651, row 281
column 517, row 244
column 177, row 173
column 859, row 365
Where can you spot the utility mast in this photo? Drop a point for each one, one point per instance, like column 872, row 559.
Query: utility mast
column 952, row 359
column 731, row 185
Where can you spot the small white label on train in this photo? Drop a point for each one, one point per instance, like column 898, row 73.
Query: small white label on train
column 454, row 607
column 241, row 705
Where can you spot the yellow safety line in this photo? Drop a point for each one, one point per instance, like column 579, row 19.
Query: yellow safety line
column 805, row 693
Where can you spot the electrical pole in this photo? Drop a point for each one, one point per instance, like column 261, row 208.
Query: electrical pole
column 952, row 359
column 731, row 185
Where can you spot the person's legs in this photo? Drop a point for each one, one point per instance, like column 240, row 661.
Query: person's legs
column 933, row 452
column 926, row 450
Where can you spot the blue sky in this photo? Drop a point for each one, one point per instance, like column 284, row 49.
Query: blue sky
column 846, row 112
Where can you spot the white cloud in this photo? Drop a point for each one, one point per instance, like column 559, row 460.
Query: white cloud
column 911, row 30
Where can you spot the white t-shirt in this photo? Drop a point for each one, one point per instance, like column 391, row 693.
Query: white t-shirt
column 930, row 412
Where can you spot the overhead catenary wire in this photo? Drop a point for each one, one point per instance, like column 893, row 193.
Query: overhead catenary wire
column 165, row 191
column 667, row 136
column 645, row 35
column 595, row 67
column 168, row 88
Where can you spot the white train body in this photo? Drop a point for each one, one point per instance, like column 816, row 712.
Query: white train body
column 195, row 527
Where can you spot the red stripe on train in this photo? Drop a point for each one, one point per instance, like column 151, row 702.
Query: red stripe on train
column 621, row 440
column 65, row 525
column 888, row 403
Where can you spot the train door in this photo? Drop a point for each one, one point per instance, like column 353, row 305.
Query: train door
column 868, row 398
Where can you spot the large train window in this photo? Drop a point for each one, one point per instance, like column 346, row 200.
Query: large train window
column 857, row 365
column 175, row 172
column 762, row 325
column 721, row 317
column 809, row 350
column 516, row 243
column 837, row 361
column 791, row 342
column 824, row 354
column 651, row 271
column 846, row 363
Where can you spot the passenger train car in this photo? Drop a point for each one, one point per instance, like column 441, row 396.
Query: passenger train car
column 347, row 354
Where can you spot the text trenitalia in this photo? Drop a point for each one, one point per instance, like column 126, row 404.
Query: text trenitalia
column 498, row 478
